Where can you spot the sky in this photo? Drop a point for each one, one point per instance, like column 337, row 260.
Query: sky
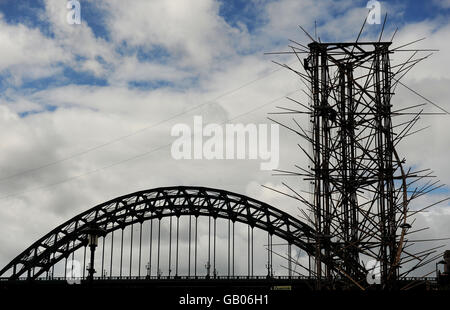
column 86, row 110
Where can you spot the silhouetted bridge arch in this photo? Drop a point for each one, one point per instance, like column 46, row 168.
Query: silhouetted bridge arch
column 40, row 258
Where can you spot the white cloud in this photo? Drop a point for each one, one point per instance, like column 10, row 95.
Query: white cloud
column 27, row 53
column 191, row 31
column 77, row 40
column 443, row 3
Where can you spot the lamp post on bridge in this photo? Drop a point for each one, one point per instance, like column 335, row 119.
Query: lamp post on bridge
column 92, row 232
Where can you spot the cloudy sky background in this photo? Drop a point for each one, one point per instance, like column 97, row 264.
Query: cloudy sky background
column 86, row 110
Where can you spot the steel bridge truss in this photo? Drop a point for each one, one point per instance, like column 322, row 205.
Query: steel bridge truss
column 139, row 207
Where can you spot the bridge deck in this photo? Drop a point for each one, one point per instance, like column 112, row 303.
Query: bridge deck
column 271, row 283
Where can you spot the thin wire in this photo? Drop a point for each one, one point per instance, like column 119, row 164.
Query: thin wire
column 415, row 92
column 138, row 156
column 115, row 140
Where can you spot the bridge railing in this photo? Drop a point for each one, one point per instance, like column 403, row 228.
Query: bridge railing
column 108, row 278
column 242, row 277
